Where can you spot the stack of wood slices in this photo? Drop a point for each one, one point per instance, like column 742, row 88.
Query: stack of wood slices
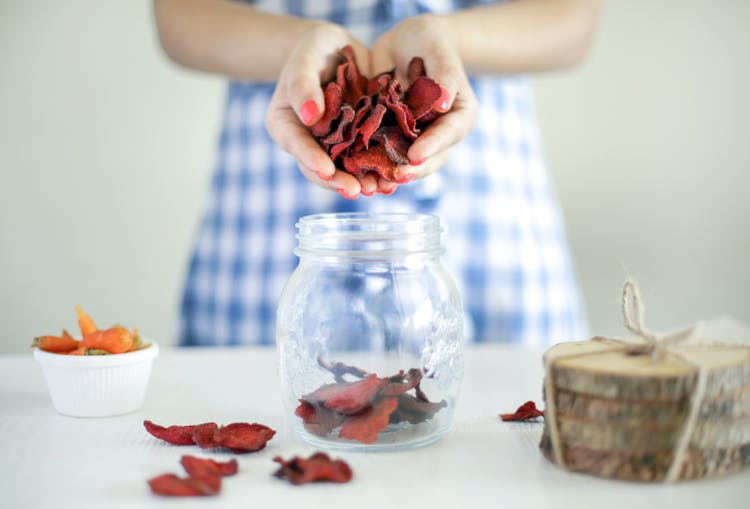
column 624, row 415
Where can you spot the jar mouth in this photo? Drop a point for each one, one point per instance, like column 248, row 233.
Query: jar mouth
column 368, row 233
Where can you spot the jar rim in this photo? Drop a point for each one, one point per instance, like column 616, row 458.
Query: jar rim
column 416, row 218
column 368, row 233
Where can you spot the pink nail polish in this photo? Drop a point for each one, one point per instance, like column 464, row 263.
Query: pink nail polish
column 405, row 179
column 309, row 111
column 366, row 193
column 417, row 162
column 441, row 104
column 389, row 192
column 322, row 176
column 342, row 192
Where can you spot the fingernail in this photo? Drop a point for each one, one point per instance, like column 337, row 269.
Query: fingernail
column 309, row 111
column 366, row 192
column 389, row 192
column 323, row 176
column 417, row 162
column 342, row 192
column 441, row 104
column 405, row 179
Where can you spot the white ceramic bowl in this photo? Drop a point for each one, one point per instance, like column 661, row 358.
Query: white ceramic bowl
column 97, row 385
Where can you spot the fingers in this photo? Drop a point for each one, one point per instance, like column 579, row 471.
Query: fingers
column 303, row 89
column 448, row 129
column 343, row 183
column 284, row 127
column 427, row 167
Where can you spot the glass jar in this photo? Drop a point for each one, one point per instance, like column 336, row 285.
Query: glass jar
column 369, row 333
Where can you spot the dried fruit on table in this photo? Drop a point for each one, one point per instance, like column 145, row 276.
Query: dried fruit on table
column 94, row 341
column 316, row 468
column 199, row 467
column 365, row 407
column 204, row 478
column 524, row 412
column 203, row 435
column 177, row 435
column 243, row 436
column 368, row 125
column 239, row 437
column 172, row 486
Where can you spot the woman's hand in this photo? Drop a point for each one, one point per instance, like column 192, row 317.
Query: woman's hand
column 298, row 102
column 426, row 36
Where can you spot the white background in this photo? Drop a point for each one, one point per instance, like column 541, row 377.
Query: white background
column 106, row 151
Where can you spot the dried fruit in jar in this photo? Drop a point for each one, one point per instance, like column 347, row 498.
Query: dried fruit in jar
column 365, row 407
column 318, row 467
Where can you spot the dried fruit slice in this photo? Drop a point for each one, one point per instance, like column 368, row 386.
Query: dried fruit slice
column 199, row 467
column 177, row 435
column 203, row 435
column 373, row 159
column 396, row 146
column 243, row 437
column 172, row 486
column 523, row 413
column 414, row 410
column 317, row 419
column 348, row 397
column 333, row 99
column 421, row 96
column 365, row 426
column 316, row 468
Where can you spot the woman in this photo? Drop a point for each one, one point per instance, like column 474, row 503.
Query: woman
column 479, row 167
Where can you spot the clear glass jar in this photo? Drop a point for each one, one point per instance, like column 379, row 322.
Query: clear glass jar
column 369, row 333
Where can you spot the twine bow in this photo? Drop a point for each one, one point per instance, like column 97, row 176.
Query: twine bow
column 656, row 346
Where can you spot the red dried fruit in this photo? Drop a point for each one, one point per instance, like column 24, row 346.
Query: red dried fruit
column 316, row 468
column 401, row 383
column 332, row 98
column 177, row 435
column 365, row 426
column 339, row 369
column 373, row 159
column 203, row 435
column 348, row 397
column 525, row 412
column 239, row 436
column 413, row 410
column 380, row 105
column 200, row 467
column 421, row 96
column 345, row 119
column 365, row 407
column 243, row 437
column 172, row 486
column 317, row 419
column 371, row 123
column 396, row 146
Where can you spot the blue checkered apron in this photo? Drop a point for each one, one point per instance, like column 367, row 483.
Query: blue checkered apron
column 505, row 240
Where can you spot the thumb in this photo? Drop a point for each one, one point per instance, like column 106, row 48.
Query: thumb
column 303, row 90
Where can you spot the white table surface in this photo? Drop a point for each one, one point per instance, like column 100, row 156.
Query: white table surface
column 48, row 460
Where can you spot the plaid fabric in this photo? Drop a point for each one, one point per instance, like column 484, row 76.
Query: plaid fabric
column 505, row 241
